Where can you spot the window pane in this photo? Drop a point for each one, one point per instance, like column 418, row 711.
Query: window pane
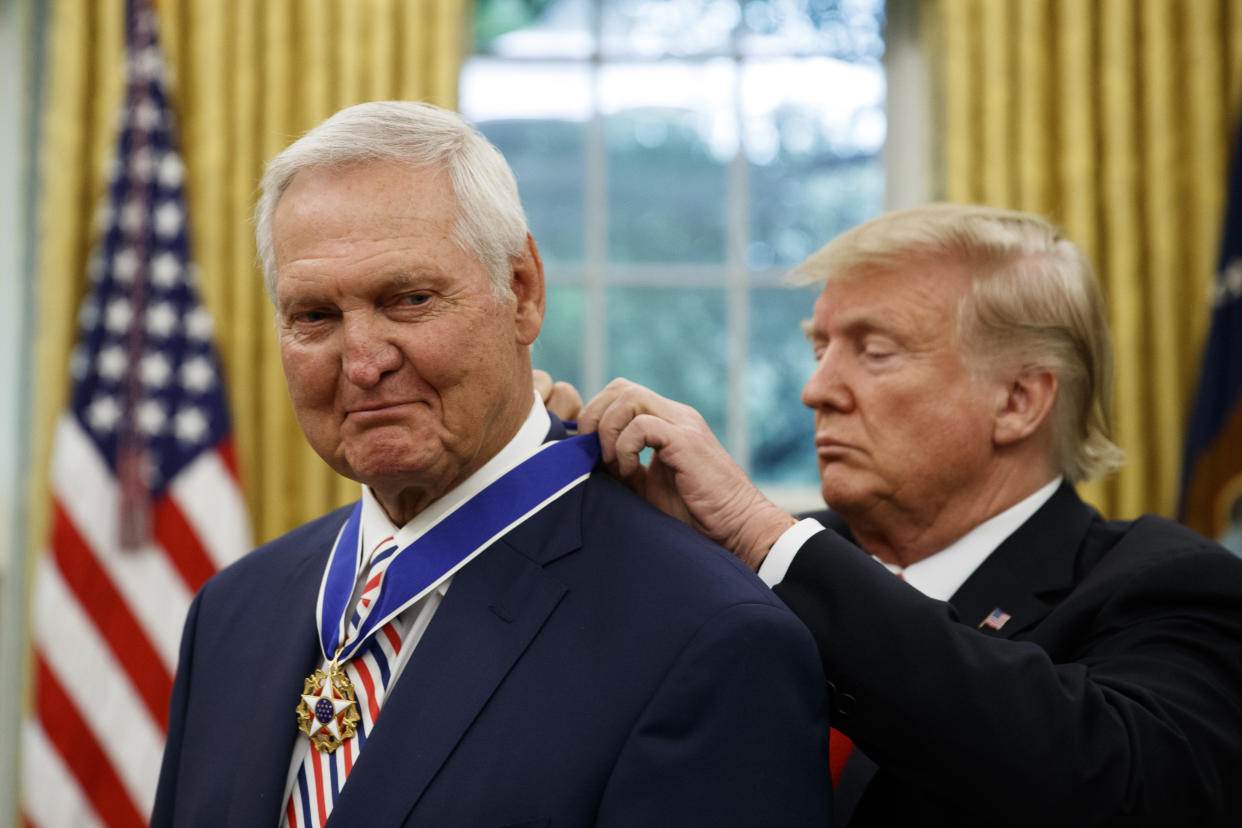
column 670, row 133
column 644, row 135
column 782, row 445
column 558, row 350
column 533, row 28
column 673, row 341
column 846, row 29
column 815, row 170
column 652, row 28
column 545, row 142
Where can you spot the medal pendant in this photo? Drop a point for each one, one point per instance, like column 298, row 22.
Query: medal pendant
column 328, row 712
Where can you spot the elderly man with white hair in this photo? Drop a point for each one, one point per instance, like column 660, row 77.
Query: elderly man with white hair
column 495, row 633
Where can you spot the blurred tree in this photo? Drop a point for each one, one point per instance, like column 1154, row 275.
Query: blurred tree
column 493, row 18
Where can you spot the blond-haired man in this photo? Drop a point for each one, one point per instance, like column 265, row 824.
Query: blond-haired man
column 1038, row 665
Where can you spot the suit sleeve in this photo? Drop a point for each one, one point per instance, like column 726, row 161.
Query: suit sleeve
column 1138, row 723
column 166, row 792
column 735, row 735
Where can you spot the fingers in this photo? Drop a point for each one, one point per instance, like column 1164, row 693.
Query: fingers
column 564, row 401
column 561, row 398
column 543, row 384
column 644, row 430
column 612, row 410
column 591, row 414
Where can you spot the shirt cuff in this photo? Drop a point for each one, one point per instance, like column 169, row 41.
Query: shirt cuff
column 782, row 553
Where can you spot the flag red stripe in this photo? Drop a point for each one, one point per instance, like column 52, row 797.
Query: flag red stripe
column 181, row 544
column 291, row 813
column 78, row 749
column 111, row 616
column 228, row 455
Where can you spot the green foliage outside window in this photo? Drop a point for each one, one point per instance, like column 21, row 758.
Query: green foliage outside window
column 668, row 218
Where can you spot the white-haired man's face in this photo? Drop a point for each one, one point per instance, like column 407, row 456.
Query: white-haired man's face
column 405, row 370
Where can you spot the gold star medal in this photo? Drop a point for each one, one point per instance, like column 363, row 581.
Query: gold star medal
column 328, row 712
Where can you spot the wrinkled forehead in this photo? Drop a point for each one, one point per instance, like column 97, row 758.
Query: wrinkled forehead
column 393, row 185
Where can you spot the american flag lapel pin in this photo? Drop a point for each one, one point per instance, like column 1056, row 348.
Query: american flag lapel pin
column 995, row 619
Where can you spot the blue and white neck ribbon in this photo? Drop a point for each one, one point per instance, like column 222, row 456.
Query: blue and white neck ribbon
column 448, row 545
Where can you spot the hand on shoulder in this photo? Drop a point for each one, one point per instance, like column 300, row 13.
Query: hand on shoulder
column 690, row 475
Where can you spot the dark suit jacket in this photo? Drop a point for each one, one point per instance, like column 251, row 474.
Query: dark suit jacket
column 1113, row 696
column 600, row 664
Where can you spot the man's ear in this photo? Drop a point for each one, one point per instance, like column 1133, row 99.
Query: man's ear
column 1024, row 406
column 526, row 281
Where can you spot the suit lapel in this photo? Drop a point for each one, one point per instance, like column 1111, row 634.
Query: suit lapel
column 1029, row 572
column 276, row 664
column 495, row 607
column 1023, row 578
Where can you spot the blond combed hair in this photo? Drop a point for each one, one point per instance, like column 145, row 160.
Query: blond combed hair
column 1034, row 303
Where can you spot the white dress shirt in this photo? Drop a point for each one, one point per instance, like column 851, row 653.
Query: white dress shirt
column 936, row 576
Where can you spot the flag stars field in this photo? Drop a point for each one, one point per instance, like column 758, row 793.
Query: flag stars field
column 1229, row 286
column 162, row 319
column 118, row 316
column 112, row 363
column 155, row 370
column 125, row 265
column 171, row 171
column 104, row 413
column 165, row 270
column 190, row 426
column 168, row 219
column 198, row 325
column 198, row 375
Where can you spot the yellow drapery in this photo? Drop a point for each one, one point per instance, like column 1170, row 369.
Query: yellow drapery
column 1113, row 118
column 245, row 79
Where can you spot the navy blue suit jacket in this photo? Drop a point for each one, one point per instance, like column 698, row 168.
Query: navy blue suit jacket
column 1111, row 697
column 601, row 664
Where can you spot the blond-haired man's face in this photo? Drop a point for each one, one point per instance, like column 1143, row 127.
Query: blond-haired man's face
column 901, row 426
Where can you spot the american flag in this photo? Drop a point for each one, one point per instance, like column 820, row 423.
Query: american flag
column 996, row 619
column 1211, row 496
column 146, row 501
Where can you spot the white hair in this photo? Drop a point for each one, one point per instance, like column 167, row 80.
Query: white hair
column 490, row 221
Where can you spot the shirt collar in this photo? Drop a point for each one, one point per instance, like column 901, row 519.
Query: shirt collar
column 942, row 574
column 375, row 523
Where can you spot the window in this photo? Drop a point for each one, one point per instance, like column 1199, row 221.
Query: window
column 675, row 159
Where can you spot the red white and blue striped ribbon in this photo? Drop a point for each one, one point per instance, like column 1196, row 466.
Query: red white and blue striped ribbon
column 386, row 551
column 322, row 775
column 398, row 578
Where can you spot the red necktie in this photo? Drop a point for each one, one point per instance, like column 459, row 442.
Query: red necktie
column 839, row 748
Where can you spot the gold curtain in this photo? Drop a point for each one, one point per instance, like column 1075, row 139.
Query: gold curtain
column 244, row 80
column 1114, row 119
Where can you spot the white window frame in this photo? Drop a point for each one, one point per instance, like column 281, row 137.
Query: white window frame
column 907, row 157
